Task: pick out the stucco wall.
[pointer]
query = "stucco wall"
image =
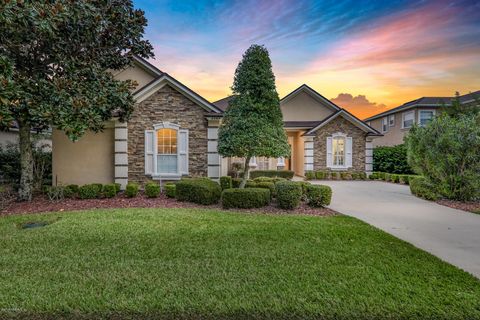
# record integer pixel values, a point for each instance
(303, 107)
(167, 104)
(88, 160)
(134, 73)
(339, 124)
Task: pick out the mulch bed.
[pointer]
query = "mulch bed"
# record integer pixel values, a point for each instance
(43, 204)
(472, 206)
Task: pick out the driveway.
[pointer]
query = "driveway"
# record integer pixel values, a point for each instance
(450, 234)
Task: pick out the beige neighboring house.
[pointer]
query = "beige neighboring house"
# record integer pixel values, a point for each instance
(10, 137)
(394, 124)
(173, 132)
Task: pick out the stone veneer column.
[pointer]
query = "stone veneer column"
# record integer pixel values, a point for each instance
(214, 160)
(308, 153)
(121, 154)
(368, 156)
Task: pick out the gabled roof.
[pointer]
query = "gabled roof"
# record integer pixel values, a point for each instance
(314, 94)
(300, 124)
(147, 66)
(222, 104)
(427, 102)
(348, 116)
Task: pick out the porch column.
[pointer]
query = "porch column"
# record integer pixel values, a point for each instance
(213, 161)
(368, 156)
(121, 154)
(308, 154)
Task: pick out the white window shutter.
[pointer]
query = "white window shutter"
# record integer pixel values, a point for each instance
(183, 151)
(149, 151)
(348, 152)
(329, 152)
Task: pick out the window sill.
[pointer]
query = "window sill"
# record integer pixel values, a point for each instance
(166, 176)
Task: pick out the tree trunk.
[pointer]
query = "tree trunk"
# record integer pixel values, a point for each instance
(26, 162)
(245, 173)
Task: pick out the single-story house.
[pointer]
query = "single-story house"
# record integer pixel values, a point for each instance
(173, 132)
(395, 123)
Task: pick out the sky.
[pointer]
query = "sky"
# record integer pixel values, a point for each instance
(366, 56)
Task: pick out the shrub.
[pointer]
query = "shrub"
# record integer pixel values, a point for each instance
(391, 159)
(344, 175)
(362, 175)
(236, 182)
(355, 176)
(170, 190)
(132, 190)
(264, 179)
(55, 193)
(373, 176)
(226, 182)
(250, 184)
(395, 178)
(304, 185)
(422, 188)
(318, 195)
(387, 177)
(335, 175)
(246, 198)
(268, 185)
(70, 191)
(289, 194)
(287, 174)
(90, 191)
(152, 190)
(109, 190)
(277, 179)
(310, 175)
(118, 187)
(381, 175)
(99, 186)
(320, 175)
(198, 190)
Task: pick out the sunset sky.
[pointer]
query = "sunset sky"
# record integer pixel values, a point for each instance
(367, 56)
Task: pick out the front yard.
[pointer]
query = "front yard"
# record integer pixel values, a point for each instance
(194, 263)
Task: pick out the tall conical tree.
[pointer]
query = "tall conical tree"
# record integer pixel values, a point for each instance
(253, 123)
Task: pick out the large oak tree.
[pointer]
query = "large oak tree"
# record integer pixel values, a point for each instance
(55, 58)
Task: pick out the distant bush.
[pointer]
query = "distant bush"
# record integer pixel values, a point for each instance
(319, 195)
(310, 175)
(226, 182)
(320, 175)
(420, 187)
(118, 187)
(109, 190)
(152, 190)
(90, 191)
(245, 198)
(198, 190)
(132, 190)
(289, 194)
(170, 190)
(71, 191)
(287, 174)
(395, 178)
(391, 160)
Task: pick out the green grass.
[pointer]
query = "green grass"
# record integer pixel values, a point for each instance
(186, 263)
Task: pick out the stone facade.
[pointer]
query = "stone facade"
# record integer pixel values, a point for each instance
(167, 104)
(339, 124)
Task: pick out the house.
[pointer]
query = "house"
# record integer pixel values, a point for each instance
(395, 123)
(173, 132)
(10, 137)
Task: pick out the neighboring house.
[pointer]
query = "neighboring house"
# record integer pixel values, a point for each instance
(173, 132)
(10, 137)
(394, 124)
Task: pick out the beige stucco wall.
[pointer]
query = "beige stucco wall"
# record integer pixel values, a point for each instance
(303, 107)
(296, 142)
(134, 73)
(88, 160)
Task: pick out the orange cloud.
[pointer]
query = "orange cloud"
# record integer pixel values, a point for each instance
(358, 105)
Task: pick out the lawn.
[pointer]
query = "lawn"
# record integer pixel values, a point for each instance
(193, 263)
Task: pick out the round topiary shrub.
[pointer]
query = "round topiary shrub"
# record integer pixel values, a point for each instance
(132, 190)
(226, 182)
(109, 190)
(314, 196)
(289, 194)
(170, 190)
(90, 191)
(310, 175)
(70, 191)
(152, 190)
(245, 198)
(118, 187)
(198, 190)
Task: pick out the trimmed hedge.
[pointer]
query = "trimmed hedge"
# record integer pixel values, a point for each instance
(226, 182)
(289, 194)
(90, 191)
(132, 190)
(310, 175)
(198, 190)
(236, 182)
(109, 190)
(70, 191)
(319, 195)
(152, 190)
(245, 198)
(170, 190)
(420, 187)
(268, 185)
(118, 187)
(287, 174)
(264, 179)
(391, 159)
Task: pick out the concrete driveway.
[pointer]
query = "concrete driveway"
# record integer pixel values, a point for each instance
(450, 234)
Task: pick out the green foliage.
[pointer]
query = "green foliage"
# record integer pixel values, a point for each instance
(198, 190)
(118, 187)
(264, 179)
(344, 175)
(286, 174)
(277, 179)
(304, 185)
(90, 191)
(70, 191)
(318, 195)
(362, 175)
(387, 177)
(458, 110)
(420, 187)
(132, 190)
(246, 198)
(226, 182)
(395, 178)
(268, 185)
(236, 182)
(289, 194)
(152, 190)
(310, 175)
(391, 159)
(250, 184)
(109, 190)
(170, 190)
(55, 193)
(447, 153)
(320, 175)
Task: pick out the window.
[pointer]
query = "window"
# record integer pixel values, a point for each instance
(338, 146)
(167, 151)
(385, 124)
(263, 163)
(425, 116)
(408, 119)
(391, 120)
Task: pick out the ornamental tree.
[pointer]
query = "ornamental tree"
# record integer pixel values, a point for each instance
(55, 58)
(253, 123)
